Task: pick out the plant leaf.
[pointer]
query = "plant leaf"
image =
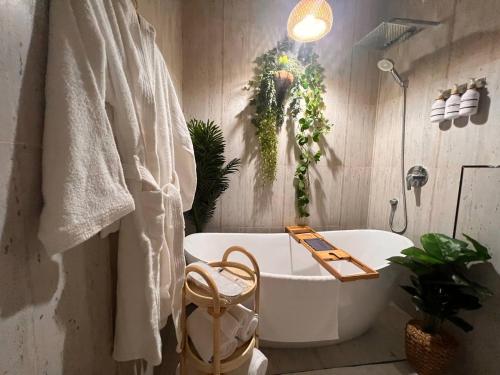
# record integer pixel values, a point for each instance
(481, 250)
(421, 256)
(459, 322)
(416, 267)
(212, 174)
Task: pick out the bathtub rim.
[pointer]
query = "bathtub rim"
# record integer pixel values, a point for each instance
(269, 275)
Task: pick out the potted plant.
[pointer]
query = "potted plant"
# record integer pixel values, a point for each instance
(289, 84)
(211, 169)
(439, 289)
(283, 76)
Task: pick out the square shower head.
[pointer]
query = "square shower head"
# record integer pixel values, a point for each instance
(394, 31)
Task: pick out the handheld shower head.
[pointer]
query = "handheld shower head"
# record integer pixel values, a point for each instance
(387, 65)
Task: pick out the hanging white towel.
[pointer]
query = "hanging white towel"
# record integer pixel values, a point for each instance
(248, 320)
(116, 147)
(200, 330)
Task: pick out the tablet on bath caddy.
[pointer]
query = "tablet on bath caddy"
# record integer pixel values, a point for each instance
(319, 244)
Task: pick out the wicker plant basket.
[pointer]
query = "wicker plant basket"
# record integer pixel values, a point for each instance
(429, 354)
(283, 79)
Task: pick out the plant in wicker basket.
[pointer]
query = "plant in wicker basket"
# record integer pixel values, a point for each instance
(439, 289)
(289, 83)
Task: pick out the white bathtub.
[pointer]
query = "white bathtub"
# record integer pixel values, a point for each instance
(298, 297)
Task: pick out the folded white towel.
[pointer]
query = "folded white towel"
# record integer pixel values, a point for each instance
(227, 287)
(248, 321)
(257, 365)
(200, 330)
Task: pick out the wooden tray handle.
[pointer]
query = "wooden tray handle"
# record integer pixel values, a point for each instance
(242, 250)
(256, 269)
(211, 283)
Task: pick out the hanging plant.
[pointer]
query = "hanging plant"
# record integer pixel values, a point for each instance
(283, 76)
(307, 105)
(275, 73)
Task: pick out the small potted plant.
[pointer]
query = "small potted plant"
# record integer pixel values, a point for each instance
(440, 290)
(283, 76)
(212, 171)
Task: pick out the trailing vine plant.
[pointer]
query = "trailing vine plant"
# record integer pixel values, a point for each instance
(283, 76)
(269, 97)
(308, 106)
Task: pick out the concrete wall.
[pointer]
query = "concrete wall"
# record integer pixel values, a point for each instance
(56, 315)
(221, 40)
(464, 46)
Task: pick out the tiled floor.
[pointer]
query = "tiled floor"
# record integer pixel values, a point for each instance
(384, 342)
(397, 368)
(368, 354)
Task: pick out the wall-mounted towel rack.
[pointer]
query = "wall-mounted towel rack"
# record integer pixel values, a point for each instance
(325, 253)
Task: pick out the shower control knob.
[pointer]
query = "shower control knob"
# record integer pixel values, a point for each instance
(416, 177)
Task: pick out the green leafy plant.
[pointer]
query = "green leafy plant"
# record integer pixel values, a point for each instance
(211, 169)
(282, 75)
(269, 102)
(308, 105)
(439, 286)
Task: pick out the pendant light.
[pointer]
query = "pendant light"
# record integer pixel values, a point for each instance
(310, 20)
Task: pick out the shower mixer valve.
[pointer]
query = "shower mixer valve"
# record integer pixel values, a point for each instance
(416, 177)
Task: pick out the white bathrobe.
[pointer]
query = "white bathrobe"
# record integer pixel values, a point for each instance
(117, 156)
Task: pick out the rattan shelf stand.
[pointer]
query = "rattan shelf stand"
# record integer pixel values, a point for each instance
(217, 306)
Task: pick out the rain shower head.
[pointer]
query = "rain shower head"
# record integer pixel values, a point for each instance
(387, 65)
(394, 31)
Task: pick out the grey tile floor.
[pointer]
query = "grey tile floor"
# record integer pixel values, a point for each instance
(368, 354)
(397, 368)
(384, 342)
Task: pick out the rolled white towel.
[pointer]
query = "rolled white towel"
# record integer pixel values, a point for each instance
(257, 365)
(200, 330)
(248, 320)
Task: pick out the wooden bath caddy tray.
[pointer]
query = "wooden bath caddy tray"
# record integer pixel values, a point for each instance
(325, 253)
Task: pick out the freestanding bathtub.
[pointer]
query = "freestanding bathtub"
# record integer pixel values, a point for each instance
(301, 303)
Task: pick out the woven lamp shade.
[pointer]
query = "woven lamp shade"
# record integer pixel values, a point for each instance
(310, 20)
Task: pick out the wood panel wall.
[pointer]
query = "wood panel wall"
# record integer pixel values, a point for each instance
(221, 39)
(464, 46)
